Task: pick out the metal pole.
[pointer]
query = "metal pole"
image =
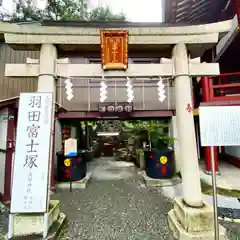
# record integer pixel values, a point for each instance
(10, 226)
(70, 186)
(214, 188)
(45, 224)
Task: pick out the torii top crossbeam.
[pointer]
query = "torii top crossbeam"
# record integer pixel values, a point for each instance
(70, 33)
(26, 36)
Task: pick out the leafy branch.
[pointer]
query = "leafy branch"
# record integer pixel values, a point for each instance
(152, 130)
(64, 10)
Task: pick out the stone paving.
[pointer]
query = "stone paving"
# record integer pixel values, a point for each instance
(228, 179)
(117, 207)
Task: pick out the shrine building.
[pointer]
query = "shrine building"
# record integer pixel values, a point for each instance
(52, 55)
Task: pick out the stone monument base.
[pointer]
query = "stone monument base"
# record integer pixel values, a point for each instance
(188, 223)
(81, 184)
(31, 226)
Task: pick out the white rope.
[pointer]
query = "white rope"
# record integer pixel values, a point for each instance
(130, 93)
(103, 90)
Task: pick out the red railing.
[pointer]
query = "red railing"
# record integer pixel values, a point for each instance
(224, 87)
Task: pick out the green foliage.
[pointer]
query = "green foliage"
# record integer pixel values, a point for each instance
(152, 130)
(105, 14)
(141, 130)
(64, 10)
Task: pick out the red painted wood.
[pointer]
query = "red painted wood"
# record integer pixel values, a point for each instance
(226, 98)
(10, 148)
(227, 85)
(221, 103)
(229, 74)
(135, 114)
(205, 88)
(210, 89)
(235, 161)
(235, 90)
(207, 158)
(223, 86)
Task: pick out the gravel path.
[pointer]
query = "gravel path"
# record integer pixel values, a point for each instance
(3, 223)
(118, 208)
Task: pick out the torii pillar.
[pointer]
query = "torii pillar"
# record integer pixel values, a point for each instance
(47, 83)
(191, 218)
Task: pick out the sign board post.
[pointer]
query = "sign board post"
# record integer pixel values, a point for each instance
(219, 126)
(30, 179)
(214, 187)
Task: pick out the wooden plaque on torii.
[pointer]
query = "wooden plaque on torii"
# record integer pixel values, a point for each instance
(114, 49)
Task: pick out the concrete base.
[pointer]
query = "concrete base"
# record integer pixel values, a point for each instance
(35, 221)
(78, 184)
(193, 223)
(54, 233)
(151, 182)
(210, 172)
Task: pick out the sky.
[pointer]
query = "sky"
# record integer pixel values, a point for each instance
(135, 10)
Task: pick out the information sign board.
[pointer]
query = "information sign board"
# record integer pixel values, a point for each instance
(31, 164)
(219, 125)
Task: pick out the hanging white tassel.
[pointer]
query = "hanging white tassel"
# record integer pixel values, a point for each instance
(103, 90)
(129, 90)
(69, 90)
(161, 90)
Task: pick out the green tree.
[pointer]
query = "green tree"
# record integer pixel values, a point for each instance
(64, 10)
(151, 130)
(105, 14)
